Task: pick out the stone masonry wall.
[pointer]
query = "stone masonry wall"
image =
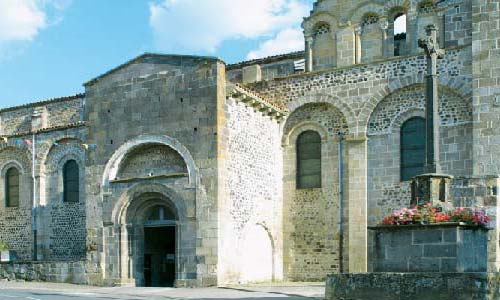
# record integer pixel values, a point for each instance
(252, 177)
(432, 248)
(357, 91)
(63, 223)
(486, 87)
(152, 159)
(413, 286)
(384, 179)
(75, 272)
(311, 216)
(155, 98)
(15, 222)
(53, 113)
(60, 226)
(365, 29)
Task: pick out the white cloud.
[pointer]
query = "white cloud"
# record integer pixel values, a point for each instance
(202, 25)
(288, 40)
(20, 20)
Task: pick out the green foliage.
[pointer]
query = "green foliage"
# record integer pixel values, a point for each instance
(4, 246)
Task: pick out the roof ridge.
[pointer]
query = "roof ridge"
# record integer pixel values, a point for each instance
(142, 56)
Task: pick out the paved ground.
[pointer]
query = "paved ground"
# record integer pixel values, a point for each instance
(51, 291)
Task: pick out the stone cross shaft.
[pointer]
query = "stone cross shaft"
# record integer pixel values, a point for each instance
(431, 47)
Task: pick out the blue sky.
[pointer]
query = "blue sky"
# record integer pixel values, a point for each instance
(49, 48)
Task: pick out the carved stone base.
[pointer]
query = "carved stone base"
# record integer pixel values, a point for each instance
(433, 188)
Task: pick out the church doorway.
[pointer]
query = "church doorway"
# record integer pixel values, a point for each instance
(160, 248)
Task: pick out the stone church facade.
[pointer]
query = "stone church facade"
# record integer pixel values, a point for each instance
(174, 169)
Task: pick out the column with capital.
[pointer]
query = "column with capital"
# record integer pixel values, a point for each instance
(384, 26)
(432, 186)
(433, 52)
(309, 53)
(357, 44)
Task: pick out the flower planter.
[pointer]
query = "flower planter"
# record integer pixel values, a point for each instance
(444, 247)
(8, 256)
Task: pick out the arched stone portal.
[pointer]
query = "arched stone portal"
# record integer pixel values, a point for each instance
(156, 237)
(152, 231)
(146, 175)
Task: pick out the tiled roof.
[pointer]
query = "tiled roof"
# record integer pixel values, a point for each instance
(43, 102)
(47, 129)
(267, 60)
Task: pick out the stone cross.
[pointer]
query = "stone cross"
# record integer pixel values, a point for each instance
(433, 52)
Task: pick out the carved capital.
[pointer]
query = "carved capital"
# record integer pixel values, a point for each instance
(429, 29)
(384, 25)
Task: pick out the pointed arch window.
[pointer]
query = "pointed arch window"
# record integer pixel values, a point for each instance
(412, 148)
(12, 187)
(71, 181)
(309, 160)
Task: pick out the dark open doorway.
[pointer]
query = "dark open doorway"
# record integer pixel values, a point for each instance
(159, 256)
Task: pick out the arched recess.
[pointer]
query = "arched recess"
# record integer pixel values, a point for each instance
(397, 31)
(119, 212)
(322, 28)
(48, 146)
(341, 106)
(386, 190)
(62, 223)
(257, 257)
(131, 226)
(453, 108)
(322, 17)
(114, 163)
(447, 83)
(302, 206)
(18, 234)
(355, 16)
(373, 35)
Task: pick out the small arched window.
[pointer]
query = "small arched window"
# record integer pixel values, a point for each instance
(309, 160)
(71, 181)
(412, 148)
(12, 188)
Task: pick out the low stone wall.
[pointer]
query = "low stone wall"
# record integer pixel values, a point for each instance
(413, 286)
(430, 248)
(61, 272)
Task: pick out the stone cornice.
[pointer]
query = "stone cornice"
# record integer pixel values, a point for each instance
(258, 103)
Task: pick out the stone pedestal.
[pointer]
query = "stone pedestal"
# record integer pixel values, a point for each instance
(430, 248)
(413, 286)
(433, 188)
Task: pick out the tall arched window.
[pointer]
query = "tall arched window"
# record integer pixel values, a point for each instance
(412, 148)
(400, 35)
(12, 188)
(71, 181)
(308, 160)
